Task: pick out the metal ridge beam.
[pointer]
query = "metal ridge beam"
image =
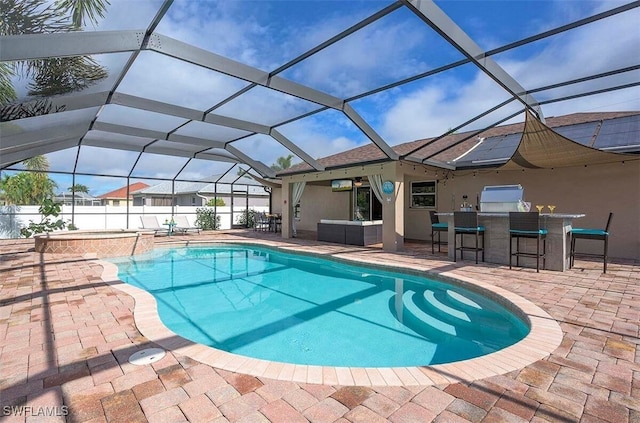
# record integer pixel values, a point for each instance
(81, 43)
(149, 133)
(433, 16)
(8, 159)
(197, 56)
(295, 149)
(260, 167)
(369, 132)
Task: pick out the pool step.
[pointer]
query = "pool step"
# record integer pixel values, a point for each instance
(413, 311)
(443, 310)
(456, 309)
(463, 302)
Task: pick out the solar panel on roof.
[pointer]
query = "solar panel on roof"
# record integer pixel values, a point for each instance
(491, 149)
(581, 133)
(618, 132)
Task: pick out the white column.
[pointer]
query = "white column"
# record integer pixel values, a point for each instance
(393, 212)
(287, 209)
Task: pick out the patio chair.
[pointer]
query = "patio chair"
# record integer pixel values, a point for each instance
(261, 222)
(183, 225)
(466, 223)
(594, 234)
(437, 227)
(276, 222)
(151, 223)
(527, 225)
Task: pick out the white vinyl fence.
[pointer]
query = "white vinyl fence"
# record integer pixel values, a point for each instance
(13, 218)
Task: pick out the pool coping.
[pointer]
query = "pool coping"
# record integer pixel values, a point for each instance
(544, 337)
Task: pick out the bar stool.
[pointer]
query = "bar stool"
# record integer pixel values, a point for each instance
(596, 234)
(437, 228)
(466, 223)
(527, 225)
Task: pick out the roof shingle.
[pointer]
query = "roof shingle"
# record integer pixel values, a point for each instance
(371, 153)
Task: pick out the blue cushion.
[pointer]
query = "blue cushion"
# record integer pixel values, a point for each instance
(472, 229)
(585, 231)
(541, 232)
(440, 225)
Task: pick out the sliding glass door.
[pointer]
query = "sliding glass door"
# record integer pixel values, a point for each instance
(366, 205)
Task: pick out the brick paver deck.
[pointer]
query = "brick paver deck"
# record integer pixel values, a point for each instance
(66, 335)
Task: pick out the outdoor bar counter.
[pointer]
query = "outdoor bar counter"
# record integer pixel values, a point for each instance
(496, 239)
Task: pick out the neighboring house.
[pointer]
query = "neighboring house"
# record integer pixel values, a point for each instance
(119, 197)
(81, 199)
(582, 163)
(246, 191)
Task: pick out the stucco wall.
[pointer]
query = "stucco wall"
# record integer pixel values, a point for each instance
(318, 202)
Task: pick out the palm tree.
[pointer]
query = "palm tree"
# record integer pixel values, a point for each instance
(79, 188)
(37, 163)
(282, 163)
(31, 187)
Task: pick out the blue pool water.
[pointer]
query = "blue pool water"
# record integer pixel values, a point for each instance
(266, 304)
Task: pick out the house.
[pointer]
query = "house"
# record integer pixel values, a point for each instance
(80, 199)
(231, 189)
(587, 163)
(118, 197)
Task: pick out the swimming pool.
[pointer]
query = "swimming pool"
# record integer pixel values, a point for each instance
(266, 304)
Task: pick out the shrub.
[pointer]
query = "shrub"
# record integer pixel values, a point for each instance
(248, 218)
(47, 209)
(207, 219)
(216, 202)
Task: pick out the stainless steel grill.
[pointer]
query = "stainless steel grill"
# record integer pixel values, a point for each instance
(501, 198)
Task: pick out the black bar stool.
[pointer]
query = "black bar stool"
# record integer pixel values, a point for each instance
(466, 223)
(595, 234)
(527, 225)
(437, 228)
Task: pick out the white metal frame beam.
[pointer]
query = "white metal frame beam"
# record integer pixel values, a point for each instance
(433, 16)
(148, 133)
(16, 156)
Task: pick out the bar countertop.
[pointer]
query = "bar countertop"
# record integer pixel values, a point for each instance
(506, 214)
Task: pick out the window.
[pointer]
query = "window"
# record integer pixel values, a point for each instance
(116, 202)
(423, 194)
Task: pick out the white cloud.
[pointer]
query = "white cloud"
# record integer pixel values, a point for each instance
(438, 106)
(359, 62)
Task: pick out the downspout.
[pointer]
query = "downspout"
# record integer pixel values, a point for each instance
(206, 200)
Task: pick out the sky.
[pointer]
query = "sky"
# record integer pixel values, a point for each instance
(268, 34)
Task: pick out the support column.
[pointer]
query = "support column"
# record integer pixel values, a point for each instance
(287, 209)
(393, 213)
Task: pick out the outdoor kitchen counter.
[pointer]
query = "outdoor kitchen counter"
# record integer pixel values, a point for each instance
(496, 239)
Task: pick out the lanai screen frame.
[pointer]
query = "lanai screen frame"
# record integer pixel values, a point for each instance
(135, 42)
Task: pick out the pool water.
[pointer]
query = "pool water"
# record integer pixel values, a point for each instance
(302, 309)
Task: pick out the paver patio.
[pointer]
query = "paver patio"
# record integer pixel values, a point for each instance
(66, 335)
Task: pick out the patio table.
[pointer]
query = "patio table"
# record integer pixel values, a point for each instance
(171, 225)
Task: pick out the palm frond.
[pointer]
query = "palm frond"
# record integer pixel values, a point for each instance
(13, 111)
(30, 17)
(63, 75)
(83, 10)
(7, 92)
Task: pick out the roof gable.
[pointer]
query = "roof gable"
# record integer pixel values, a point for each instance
(122, 192)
